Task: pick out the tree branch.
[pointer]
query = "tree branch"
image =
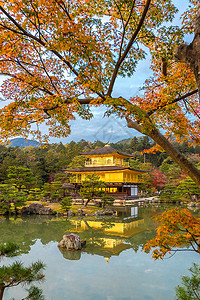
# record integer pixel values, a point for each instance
(125, 25)
(149, 113)
(122, 58)
(36, 39)
(39, 88)
(63, 8)
(44, 44)
(133, 124)
(44, 68)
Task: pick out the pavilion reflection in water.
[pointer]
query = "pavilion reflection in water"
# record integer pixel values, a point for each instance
(109, 237)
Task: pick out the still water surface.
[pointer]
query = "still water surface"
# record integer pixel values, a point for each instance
(113, 265)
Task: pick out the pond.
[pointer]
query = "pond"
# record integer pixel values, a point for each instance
(113, 265)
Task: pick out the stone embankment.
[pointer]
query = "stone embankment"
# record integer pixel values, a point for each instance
(118, 202)
(37, 209)
(40, 209)
(139, 201)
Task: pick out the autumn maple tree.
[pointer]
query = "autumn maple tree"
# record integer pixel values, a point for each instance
(177, 230)
(60, 57)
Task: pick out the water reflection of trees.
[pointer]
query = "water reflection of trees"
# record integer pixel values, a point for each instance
(25, 231)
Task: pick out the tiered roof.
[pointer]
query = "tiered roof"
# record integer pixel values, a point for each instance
(107, 149)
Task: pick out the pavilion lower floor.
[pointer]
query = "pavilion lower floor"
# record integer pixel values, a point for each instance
(116, 190)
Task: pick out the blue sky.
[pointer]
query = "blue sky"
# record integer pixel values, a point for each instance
(110, 129)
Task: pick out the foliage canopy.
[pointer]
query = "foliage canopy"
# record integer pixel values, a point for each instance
(60, 56)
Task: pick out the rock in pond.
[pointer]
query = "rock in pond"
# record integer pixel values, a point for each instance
(71, 242)
(59, 214)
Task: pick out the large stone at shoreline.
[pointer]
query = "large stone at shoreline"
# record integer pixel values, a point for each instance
(36, 205)
(36, 209)
(70, 242)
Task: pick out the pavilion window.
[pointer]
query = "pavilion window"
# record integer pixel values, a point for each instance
(109, 161)
(95, 162)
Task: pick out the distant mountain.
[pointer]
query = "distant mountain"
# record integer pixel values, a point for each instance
(22, 143)
(129, 140)
(125, 141)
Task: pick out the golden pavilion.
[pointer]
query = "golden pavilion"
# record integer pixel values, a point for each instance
(113, 168)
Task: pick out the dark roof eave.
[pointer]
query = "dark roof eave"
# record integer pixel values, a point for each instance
(103, 168)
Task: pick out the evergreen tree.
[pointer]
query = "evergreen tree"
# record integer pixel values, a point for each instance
(188, 189)
(66, 203)
(107, 200)
(20, 177)
(169, 193)
(77, 162)
(191, 285)
(10, 195)
(16, 274)
(92, 187)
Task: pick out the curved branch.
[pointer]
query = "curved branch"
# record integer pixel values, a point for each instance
(133, 124)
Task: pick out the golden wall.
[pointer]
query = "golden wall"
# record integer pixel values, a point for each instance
(110, 177)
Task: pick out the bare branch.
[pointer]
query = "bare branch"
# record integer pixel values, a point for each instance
(38, 20)
(194, 111)
(10, 29)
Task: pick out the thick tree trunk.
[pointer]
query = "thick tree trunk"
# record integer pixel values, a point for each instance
(1, 292)
(198, 247)
(182, 161)
(190, 54)
(166, 145)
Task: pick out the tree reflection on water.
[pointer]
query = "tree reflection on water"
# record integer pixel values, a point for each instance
(104, 237)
